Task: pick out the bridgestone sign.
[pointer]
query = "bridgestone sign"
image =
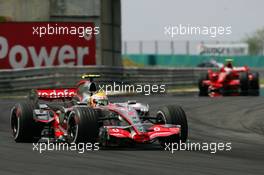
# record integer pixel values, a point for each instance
(236, 49)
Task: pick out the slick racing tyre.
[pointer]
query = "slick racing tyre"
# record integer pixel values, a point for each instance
(244, 83)
(83, 125)
(174, 115)
(254, 83)
(24, 128)
(203, 89)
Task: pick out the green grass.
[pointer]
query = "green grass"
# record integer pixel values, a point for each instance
(261, 81)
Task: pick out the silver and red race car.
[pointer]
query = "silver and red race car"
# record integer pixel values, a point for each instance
(64, 115)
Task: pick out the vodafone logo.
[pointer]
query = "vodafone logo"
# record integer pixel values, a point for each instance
(56, 93)
(19, 55)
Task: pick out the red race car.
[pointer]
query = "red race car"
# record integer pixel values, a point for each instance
(229, 81)
(84, 114)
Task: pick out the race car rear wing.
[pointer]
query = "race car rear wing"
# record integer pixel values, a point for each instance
(51, 94)
(90, 76)
(241, 69)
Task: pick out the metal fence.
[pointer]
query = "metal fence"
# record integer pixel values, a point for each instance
(166, 47)
(13, 81)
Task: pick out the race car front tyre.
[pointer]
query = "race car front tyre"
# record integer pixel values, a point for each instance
(24, 128)
(203, 89)
(83, 125)
(174, 115)
(244, 83)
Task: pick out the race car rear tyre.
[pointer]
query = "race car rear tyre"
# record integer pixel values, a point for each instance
(203, 89)
(83, 125)
(244, 83)
(254, 83)
(174, 115)
(24, 128)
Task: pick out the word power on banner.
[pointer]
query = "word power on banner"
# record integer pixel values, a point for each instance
(46, 44)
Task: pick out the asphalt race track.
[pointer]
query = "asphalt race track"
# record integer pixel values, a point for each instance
(238, 120)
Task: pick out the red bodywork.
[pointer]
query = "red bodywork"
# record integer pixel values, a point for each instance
(224, 79)
(157, 132)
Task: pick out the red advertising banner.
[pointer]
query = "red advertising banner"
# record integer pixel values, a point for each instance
(45, 44)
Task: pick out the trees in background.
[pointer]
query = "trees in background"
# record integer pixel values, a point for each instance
(256, 42)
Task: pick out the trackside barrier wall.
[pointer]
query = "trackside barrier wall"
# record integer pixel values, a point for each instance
(13, 81)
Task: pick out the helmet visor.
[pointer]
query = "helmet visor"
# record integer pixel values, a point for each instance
(101, 102)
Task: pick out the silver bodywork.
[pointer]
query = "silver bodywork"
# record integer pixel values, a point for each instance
(141, 108)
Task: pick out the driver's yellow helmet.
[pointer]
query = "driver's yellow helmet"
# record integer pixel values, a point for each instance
(99, 99)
